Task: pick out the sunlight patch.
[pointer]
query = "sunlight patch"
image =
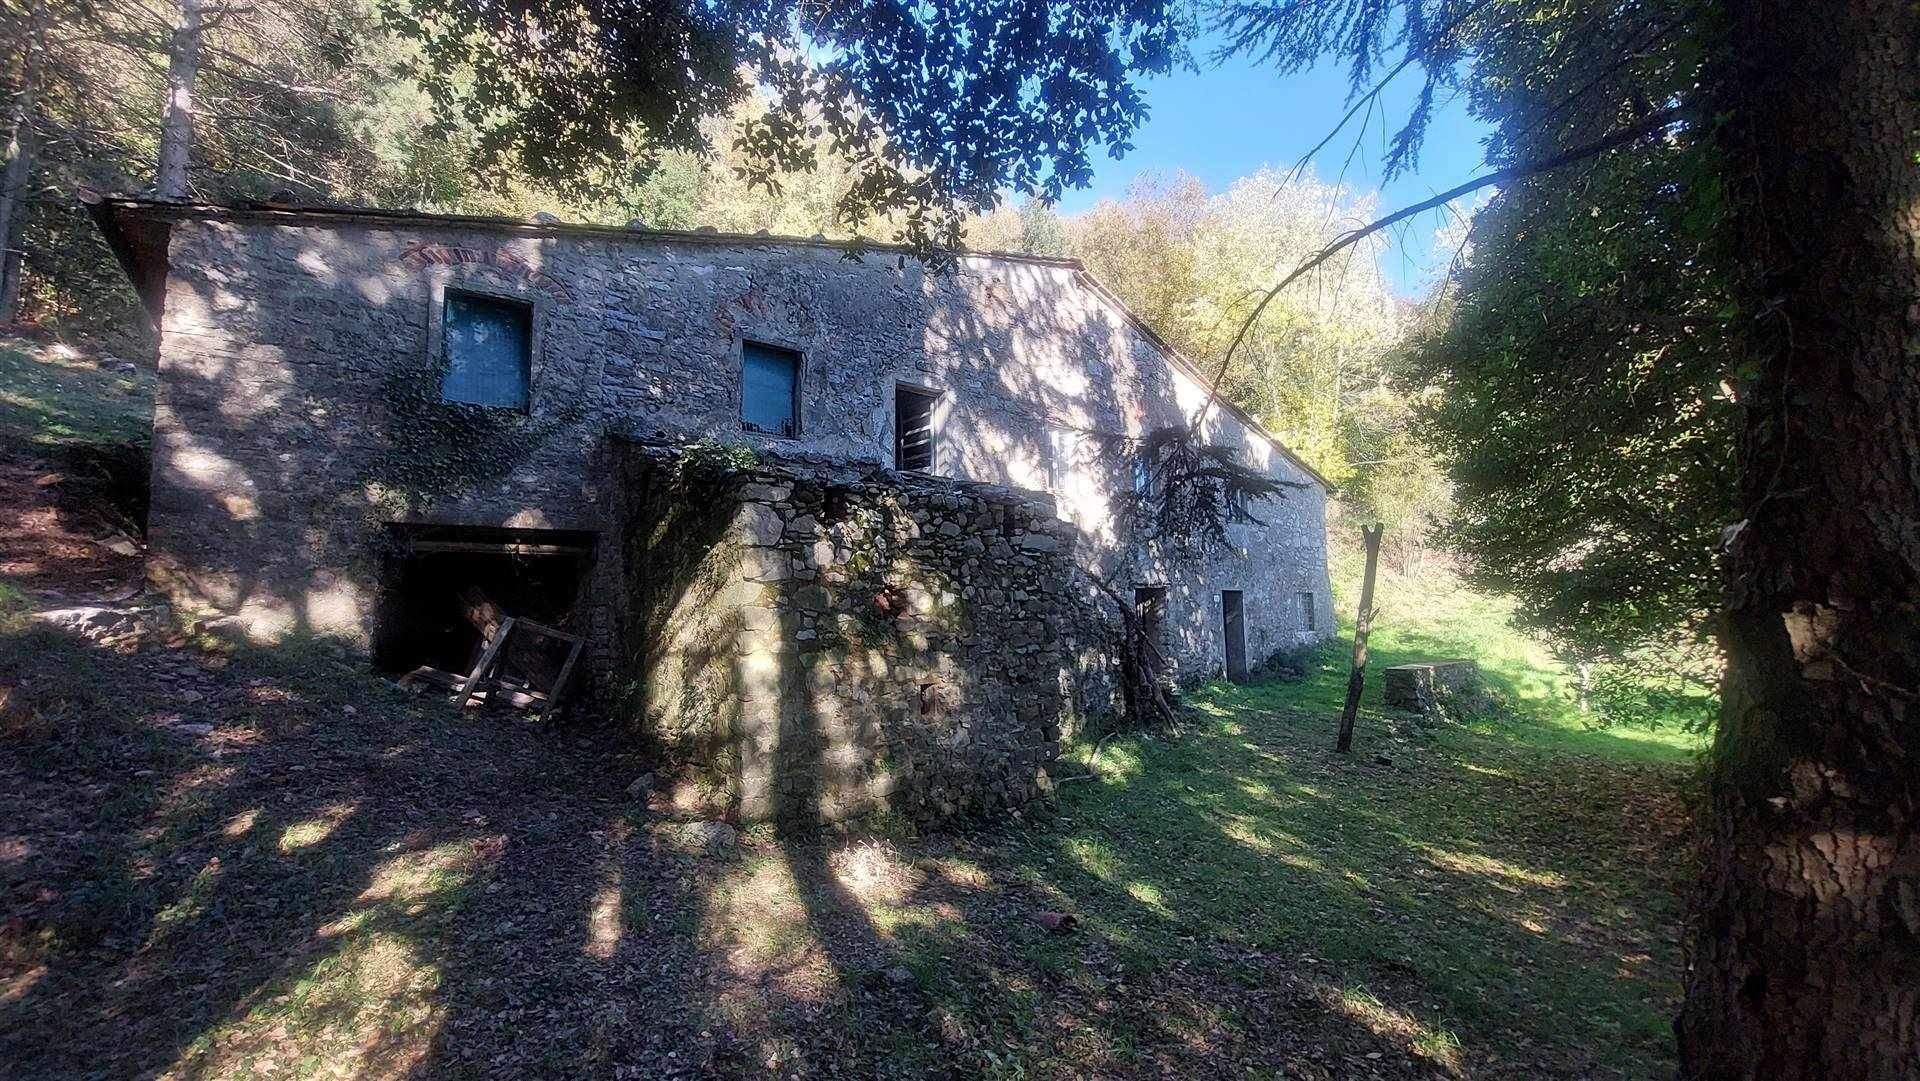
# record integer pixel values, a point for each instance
(603, 923)
(369, 1010)
(873, 872)
(316, 829)
(241, 824)
(1474, 863)
(1438, 1046)
(757, 919)
(1150, 895)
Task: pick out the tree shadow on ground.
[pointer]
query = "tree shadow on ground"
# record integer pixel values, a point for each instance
(259, 861)
(337, 874)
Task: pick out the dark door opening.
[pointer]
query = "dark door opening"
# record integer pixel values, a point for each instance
(1233, 621)
(445, 589)
(913, 428)
(1150, 608)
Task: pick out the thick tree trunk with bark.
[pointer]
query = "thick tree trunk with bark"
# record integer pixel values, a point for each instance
(176, 128)
(1362, 626)
(1805, 958)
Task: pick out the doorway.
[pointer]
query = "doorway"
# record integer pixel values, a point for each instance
(1150, 609)
(1233, 622)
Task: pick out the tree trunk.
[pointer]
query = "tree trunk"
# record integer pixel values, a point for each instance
(1805, 959)
(1362, 625)
(176, 129)
(19, 154)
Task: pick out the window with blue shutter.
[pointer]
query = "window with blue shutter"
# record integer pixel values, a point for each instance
(770, 389)
(1143, 474)
(489, 351)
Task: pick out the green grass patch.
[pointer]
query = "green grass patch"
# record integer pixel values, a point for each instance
(50, 399)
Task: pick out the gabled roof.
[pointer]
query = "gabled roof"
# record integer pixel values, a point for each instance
(137, 229)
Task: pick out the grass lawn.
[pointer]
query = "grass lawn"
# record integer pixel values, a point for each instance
(52, 396)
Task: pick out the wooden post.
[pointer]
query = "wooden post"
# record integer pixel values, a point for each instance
(1357, 682)
(485, 664)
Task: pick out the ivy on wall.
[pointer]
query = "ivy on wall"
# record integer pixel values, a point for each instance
(440, 450)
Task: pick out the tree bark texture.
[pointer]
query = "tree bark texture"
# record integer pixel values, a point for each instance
(1805, 949)
(1362, 626)
(21, 129)
(176, 127)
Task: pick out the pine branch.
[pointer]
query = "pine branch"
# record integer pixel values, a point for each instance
(1646, 126)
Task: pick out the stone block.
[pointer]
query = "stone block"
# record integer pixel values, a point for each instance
(1421, 685)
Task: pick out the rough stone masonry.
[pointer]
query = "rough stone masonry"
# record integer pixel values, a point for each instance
(823, 644)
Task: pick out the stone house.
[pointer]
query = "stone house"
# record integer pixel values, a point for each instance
(360, 413)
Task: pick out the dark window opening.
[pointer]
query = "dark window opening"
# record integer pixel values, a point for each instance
(488, 344)
(1233, 625)
(770, 389)
(913, 444)
(1308, 613)
(446, 589)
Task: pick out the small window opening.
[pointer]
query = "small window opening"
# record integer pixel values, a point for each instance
(1308, 612)
(488, 344)
(770, 389)
(1143, 474)
(913, 444)
(836, 505)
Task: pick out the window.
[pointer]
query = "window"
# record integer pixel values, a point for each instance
(489, 351)
(1308, 613)
(770, 389)
(1143, 474)
(913, 428)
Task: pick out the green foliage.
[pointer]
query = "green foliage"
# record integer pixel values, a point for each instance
(1573, 375)
(1027, 89)
(1318, 369)
(708, 460)
(1576, 375)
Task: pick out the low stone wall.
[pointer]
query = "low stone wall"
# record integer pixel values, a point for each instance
(1430, 684)
(821, 643)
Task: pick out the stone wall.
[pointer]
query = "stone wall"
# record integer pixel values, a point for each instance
(290, 425)
(821, 643)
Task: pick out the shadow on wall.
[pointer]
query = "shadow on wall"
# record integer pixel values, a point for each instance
(822, 644)
(298, 413)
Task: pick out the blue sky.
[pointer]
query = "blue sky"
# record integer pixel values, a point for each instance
(1226, 122)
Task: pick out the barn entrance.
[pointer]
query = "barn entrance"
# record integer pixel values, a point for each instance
(447, 592)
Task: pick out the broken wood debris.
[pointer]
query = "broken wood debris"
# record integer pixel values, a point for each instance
(485, 683)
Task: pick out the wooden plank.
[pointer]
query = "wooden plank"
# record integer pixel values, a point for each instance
(566, 673)
(427, 674)
(550, 632)
(487, 658)
(485, 548)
